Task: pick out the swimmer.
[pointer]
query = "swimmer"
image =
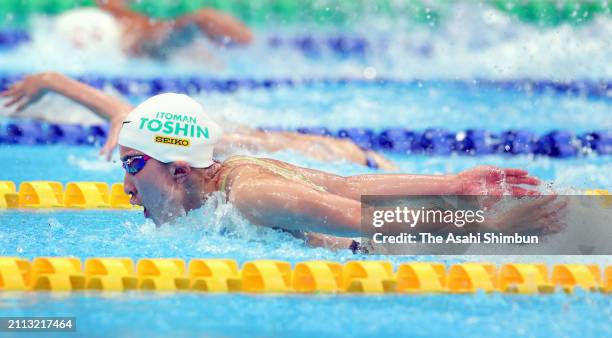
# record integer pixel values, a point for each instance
(324, 148)
(113, 23)
(169, 180)
(171, 170)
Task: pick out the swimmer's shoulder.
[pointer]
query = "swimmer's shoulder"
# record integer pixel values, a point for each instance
(238, 169)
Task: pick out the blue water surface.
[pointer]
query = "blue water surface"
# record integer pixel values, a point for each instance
(194, 315)
(503, 50)
(221, 232)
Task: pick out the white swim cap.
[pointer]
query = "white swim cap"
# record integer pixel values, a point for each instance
(89, 29)
(172, 127)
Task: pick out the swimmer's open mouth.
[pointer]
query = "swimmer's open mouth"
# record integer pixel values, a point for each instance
(145, 212)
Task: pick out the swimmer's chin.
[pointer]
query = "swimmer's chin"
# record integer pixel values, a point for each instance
(163, 218)
(147, 215)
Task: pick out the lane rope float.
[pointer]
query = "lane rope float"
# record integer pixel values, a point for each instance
(61, 274)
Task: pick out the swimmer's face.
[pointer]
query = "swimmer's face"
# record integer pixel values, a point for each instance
(155, 188)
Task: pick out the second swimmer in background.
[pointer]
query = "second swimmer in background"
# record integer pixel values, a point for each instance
(113, 25)
(323, 148)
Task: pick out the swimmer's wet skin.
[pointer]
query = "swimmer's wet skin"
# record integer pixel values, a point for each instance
(169, 181)
(324, 148)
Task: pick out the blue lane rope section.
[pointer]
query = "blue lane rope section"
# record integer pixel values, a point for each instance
(28, 132)
(340, 44)
(13, 38)
(433, 142)
(133, 86)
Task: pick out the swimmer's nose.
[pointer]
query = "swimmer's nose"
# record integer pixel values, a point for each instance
(128, 186)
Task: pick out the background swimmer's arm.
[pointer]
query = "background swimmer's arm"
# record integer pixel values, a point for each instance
(121, 11)
(138, 30)
(34, 87)
(217, 25)
(292, 206)
(113, 6)
(104, 105)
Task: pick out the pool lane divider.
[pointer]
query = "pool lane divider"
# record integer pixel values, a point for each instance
(76, 195)
(66, 274)
(97, 195)
(345, 45)
(431, 142)
(144, 87)
(31, 132)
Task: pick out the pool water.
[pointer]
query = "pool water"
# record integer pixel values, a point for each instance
(435, 96)
(222, 233)
(474, 40)
(189, 315)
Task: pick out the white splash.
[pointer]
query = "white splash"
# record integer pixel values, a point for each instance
(92, 163)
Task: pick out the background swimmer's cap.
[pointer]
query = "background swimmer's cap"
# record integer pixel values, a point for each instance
(172, 127)
(89, 29)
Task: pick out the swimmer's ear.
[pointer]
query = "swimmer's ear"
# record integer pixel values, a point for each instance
(180, 171)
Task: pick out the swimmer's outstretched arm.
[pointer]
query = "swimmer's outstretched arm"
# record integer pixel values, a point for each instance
(34, 87)
(295, 207)
(483, 180)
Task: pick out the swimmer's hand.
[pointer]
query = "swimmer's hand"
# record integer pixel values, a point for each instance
(490, 183)
(27, 91)
(493, 181)
(544, 214)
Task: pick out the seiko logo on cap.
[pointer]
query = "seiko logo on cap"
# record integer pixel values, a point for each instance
(172, 141)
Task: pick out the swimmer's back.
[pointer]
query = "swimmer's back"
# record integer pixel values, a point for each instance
(232, 166)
